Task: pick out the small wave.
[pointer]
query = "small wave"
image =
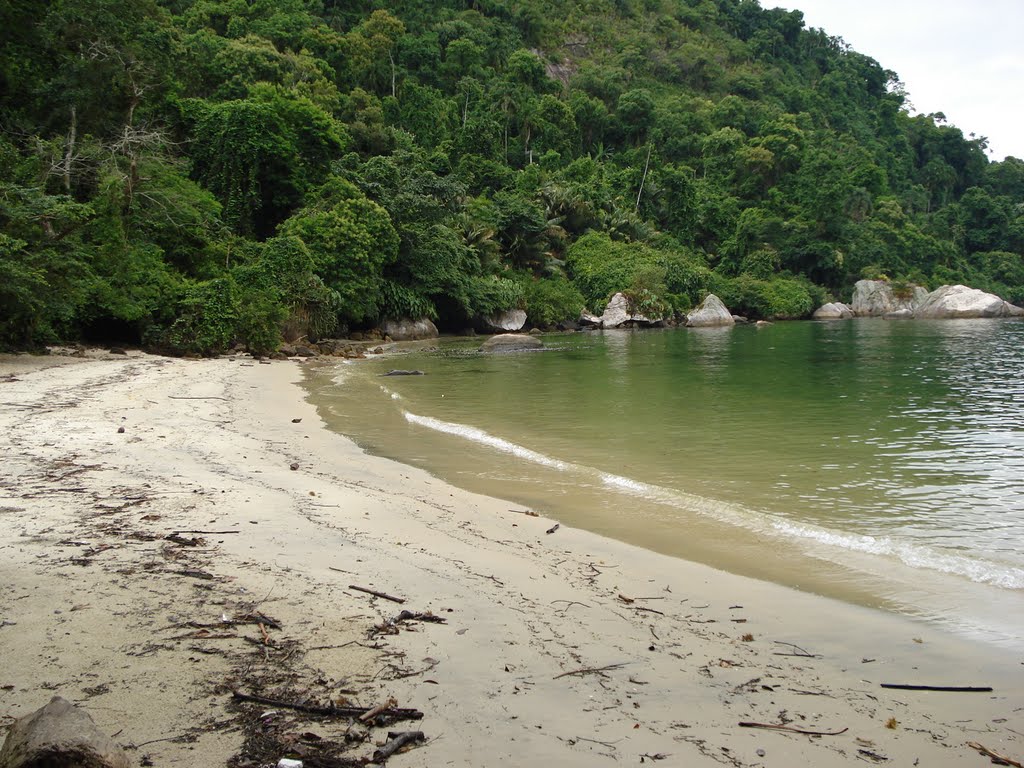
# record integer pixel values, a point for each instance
(389, 393)
(485, 438)
(913, 555)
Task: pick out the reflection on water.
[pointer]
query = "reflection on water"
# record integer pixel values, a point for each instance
(875, 460)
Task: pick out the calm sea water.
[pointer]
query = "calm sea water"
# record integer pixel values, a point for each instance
(876, 461)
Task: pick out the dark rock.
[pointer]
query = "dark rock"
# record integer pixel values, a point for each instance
(304, 351)
(120, 430)
(60, 735)
(400, 372)
(118, 351)
(294, 466)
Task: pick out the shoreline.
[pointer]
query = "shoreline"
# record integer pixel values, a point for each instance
(569, 647)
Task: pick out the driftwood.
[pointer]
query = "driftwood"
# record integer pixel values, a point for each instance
(394, 713)
(372, 713)
(996, 757)
(590, 670)
(773, 727)
(395, 742)
(375, 593)
(947, 688)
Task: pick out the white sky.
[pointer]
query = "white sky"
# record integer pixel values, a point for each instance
(964, 58)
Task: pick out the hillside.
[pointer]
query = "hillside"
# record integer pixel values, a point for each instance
(188, 175)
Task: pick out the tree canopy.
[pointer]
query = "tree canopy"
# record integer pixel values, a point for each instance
(189, 174)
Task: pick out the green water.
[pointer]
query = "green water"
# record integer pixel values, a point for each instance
(876, 461)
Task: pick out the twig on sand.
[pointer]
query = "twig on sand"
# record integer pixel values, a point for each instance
(773, 727)
(946, 688)
(590, 670)
(568, 604)
(395, 713)
(996, 757)
(798, 651)
(372, 713)
(375, 593)
(182, 397)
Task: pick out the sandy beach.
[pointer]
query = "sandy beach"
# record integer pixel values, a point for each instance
(172, 531)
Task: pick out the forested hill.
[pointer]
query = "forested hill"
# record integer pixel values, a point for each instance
(193, 174)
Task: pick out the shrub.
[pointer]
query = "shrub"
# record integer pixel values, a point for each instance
(552, 300)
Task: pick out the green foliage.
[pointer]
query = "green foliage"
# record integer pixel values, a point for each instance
(301, 164)
(551, 300)
(350, 240)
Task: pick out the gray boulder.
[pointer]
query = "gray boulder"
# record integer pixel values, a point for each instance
(711, 312)
(405, 329)
(618, 313)
(505, 322)
(62, 736)
(959, 301)
(588, 320)
(833, 311)
(875, 298)
(511, 342)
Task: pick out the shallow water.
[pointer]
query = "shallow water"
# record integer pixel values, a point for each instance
(875, 461)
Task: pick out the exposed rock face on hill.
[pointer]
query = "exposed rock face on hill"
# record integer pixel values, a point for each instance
(959, 301)
(405, 329)
(875, 298)
(711, 312)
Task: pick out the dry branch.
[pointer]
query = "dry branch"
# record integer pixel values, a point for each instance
(375, 593)
(996, 757)
(773, 727)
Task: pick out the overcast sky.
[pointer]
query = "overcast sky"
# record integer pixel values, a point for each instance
(964, 59)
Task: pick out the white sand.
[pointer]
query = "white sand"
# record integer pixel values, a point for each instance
(107, 628)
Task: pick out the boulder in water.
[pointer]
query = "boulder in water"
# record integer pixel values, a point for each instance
(959, 301)
(876, 298)
(511, 342)
(833, 311)
(711, 312)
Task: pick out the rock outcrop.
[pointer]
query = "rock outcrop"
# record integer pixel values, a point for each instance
(875, 298)
(711, 312)
(405, 329)
(60, 734)
(833, 311)
(504, 322)
(511, 342)
(617, 313)
(959, 301)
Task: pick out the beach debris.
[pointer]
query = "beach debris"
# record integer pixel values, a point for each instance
(892, 723)
(181, 541)
(946, 688)
(553, 528)
(626, 600)
(286, 762)
(195, 574)
(294, 465)
(120, 430)
(182, 397)
(747, 638)
(375, 593)
(872, 755)
(390, 627)
(591, 670)
(368, 716)
(527, 512)
(775, 727)
(391, 713)
(296, 421)
(396, 742)
(60, 734)
(797, 651)
(996, 757)
(654, 757)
